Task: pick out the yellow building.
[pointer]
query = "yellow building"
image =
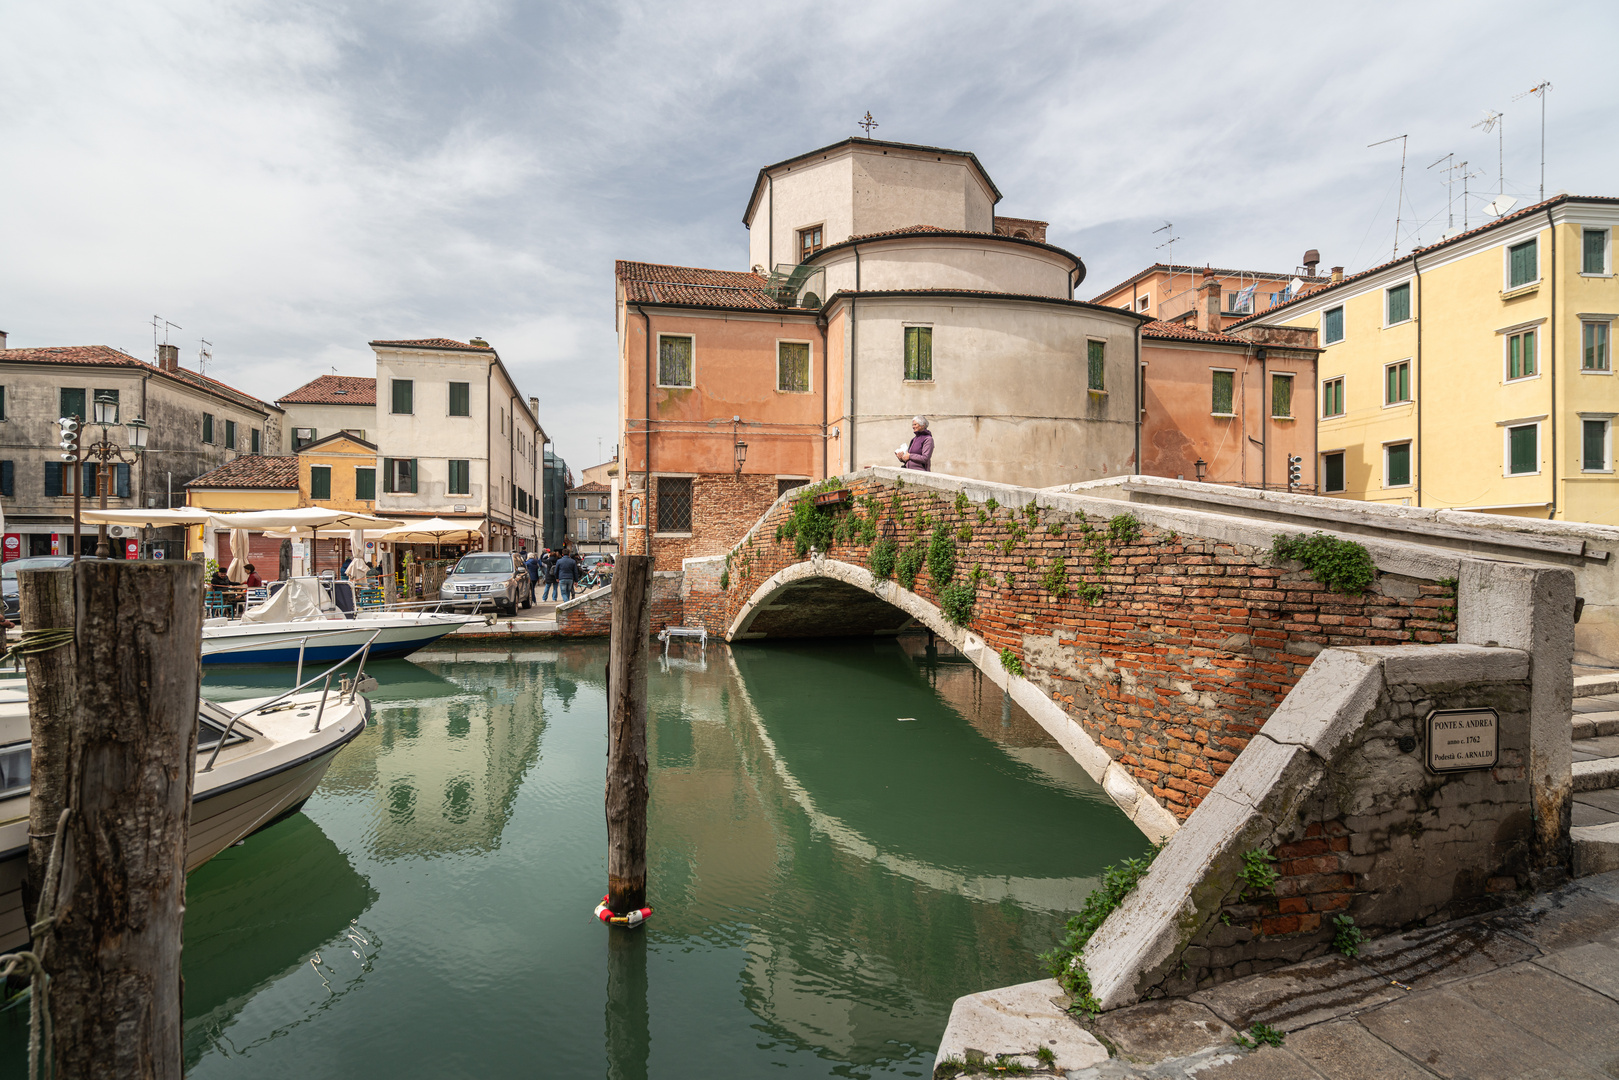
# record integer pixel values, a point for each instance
(338, 472)
(1489, 352)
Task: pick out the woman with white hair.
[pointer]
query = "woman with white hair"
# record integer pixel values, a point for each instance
(919, 455)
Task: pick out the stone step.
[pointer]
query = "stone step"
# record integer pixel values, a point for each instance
(1593, 725)
(1596, 685)
(1596, 848)
(1598, 774)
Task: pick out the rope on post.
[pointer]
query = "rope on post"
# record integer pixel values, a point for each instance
(34, 642)
(31, 964)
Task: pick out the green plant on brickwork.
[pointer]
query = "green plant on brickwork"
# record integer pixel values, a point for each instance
(1031, 511)
(1063, 962)
(1449, 585)
(1056, 578)
(1341, 565)
(868, 530)
(1090, 592)
(1172, 537)
(1011, 579)
(899, 481)
(941, 558)
(1256, 873)
(956, 600)
(1123, 529)
(896, 506)
(924, 522)
(1346, 936)
(1260, 1035)
(1054, 529)
(881, 559)
(991, 505)
(908, 563)
(1011, 663)
(1031, 564)
(964, 535)
(983, 516)
(725, 579)
(976, 576)
(961, 502)
(809, 526)
(1101, 557)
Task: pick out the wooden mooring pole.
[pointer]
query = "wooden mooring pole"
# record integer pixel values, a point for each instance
(626, 734)
(45, 604)
(128, 751)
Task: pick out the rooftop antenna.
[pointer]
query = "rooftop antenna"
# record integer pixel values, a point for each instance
(1493, 120)
(160, 321)
(1450, 184)
(1467, 174)
(1400, 203)
(1170, 243)
(204, 354)
(868, 123)
(1541, 90)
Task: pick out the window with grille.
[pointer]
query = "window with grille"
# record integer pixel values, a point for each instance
(793, 367)
(460, 399)
(1398, 304)
(1332, 397)
(674, 360)
(1281, 397)
(1523, 263)
(1096, 365)
(783, 486)
(1594, 340)
(1397, 383)
(1332, 471)
(1594, 445)
(918, 353)
(809, 242)
(1397, 465)
(1224, 384)
(1521, 355)
(1595, 252)
(1332, 325)
(1523, 449)
(320, 482)
(674, 504)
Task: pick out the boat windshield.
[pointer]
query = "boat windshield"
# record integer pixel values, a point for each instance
(484, 564)
(14, 768)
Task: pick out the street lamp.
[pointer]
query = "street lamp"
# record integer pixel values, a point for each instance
(104, 451)
(1202, 467)
(740, 448)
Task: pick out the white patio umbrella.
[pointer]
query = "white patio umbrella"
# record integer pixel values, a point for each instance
(238, 555)
(151, 519)
(304, 520)
(435, 530)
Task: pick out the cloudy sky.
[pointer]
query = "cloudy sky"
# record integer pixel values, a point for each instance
(290, 180)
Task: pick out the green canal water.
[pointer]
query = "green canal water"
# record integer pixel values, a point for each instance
(844, 837)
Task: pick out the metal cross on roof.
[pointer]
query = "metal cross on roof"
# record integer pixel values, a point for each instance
(868, 123)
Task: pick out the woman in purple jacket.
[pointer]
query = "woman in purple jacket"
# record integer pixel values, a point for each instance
(919, 455)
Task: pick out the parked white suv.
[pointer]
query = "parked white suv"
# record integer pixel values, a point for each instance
(488, 579)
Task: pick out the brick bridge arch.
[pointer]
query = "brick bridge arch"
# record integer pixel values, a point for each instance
(1152, 652)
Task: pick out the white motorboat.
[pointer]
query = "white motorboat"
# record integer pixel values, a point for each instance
(257, 762)
(301, 623)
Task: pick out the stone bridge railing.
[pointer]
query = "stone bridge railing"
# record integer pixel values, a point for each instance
(1152, 642)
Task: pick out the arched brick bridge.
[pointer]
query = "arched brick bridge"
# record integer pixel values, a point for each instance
(1151, 641)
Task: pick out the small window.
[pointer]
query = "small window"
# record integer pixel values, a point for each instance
(1332, 471)
(399, 475)
(1523, 263)
(1143, 302)
(674, 360)
(320, 481)
(404, 397)
(1523, 449)
(579, 504)
(1281, 397)
(603, 502)
(460, 399)
(302, 437)
(1332, 325)
(1595, 446)
(1096, 365)
(1398, 306)
(1332, 397)
(1224, 383)
(230, 434)
(1397, 465)
(365, 483)
(918, 353)
(2, 403)
(207, 427)
(460, 477)
(1397, 383)
(1240, 303)
(783, 486)
(674, 504)
(253, 441)
(1594, 340)
(1521, 355)
(1595, 252)
(793, 367)
(809, 242)
(72, 400)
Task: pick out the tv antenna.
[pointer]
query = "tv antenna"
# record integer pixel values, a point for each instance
(1541, 90)
(159, 322)
(1491, 122)
(1450, 183)
(1400, 202)
(1170, 243)
(205, 353)
(868, 123)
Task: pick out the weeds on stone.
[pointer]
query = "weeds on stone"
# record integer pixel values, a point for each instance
(1124, 529)
(1063, 962)
(991, 505)
(1003, 1064)
(725, 579)
(908, 564)
(882, 558)
(1046, 1056)
(1256, 871)
(1346, 936)
(1089, 592)
(1056, 578)
(941, 557)
(1260, 1035)
(961, 502)
(956, 600)
(1010, 663)
(983, 516)
(1343, 566)
(964, 534)
(1011, 579)
(1054, 529)
(1032, 512)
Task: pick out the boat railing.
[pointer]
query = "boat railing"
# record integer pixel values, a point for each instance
(363, 652)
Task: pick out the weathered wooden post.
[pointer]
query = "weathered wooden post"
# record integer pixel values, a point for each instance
(45, 610)
(114, 951)
(626, 735)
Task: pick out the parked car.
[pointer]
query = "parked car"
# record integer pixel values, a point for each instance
(8, 576)
(494, 578)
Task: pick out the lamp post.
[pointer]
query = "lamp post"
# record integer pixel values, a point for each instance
(739, 448)
(104, 452)
(71, 432)
(1201, 466)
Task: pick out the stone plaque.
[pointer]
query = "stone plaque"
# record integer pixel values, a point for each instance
(1462, 739)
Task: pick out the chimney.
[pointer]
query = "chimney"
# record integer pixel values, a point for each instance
(534, 407)
(1312, 258)
(2, 340)
(1337, 274)
(168, 357)
(1209, 309)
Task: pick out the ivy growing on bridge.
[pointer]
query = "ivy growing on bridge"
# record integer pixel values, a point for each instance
(941, 557)
(1341, 565)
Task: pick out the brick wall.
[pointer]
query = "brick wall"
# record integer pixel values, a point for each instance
(1184, 654)
(592, 615)
(724, 507)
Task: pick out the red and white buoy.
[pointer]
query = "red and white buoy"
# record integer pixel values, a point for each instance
(634, 918)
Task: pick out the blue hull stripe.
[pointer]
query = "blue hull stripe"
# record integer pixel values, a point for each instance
(320, 654)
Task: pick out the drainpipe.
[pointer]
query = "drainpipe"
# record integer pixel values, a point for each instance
(770, 229)
(1264, 424)
(820, 323)
(511, 458)
(488, 460)
(1137, 395)
(646, 447)
(854, 355)
(1551, 226)
(1416, 377)
(141, 495)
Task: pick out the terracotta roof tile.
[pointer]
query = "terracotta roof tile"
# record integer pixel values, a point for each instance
(334, 390)
(592, 487)
(106, 356)
(1175, 331)
(1176, 268)
(655, 283)
(434, 343)
(253, 471)
(906, 229)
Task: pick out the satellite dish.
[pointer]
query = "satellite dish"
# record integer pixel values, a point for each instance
(1295, 285)
(1501, 205)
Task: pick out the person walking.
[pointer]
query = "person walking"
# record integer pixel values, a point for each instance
(567, 572)
(919, 455)
(548, 568)
(532, 565)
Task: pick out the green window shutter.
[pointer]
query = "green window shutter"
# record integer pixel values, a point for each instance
(1524, 449)
(1529, 352)
(919, 353)
(255, 444)
(207, 427)
(73, 402)
(2, 403)
(1332, 326)
(460, 476)
(1399, 304)
(1524, 264)
(1281, 396)
(404, 396)
(92, 476)
(1223, 384)
(674, 361)
(1399, 465)
(53, 479)
(387, 474)
(1096, 365)
(792, 366)
(460, 399)
(122, 481)
(320, 481)
(8, 478)
(365, 483)
(1595, 245)
(413, 476)
(1595, 446)
(1333, 480)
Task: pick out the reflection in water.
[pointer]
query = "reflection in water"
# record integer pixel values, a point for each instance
(629, 1038)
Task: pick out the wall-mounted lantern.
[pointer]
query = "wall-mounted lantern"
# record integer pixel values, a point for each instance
(1202, 468)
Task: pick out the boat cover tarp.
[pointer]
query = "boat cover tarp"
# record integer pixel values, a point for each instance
(296, 601)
